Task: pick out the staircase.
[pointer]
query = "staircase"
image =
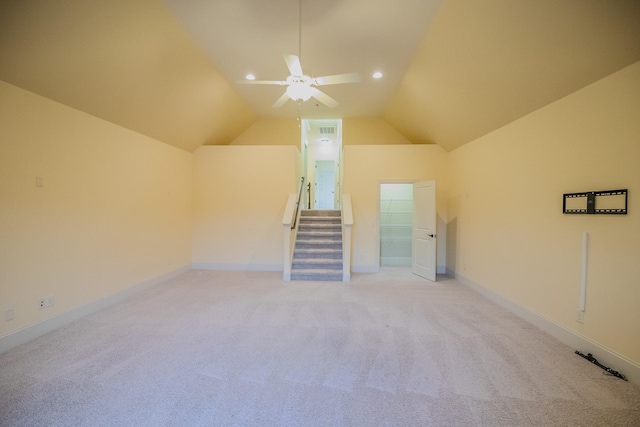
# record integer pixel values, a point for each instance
(317, 254)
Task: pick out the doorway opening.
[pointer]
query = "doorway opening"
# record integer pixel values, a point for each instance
(396, 224)
(322, 159)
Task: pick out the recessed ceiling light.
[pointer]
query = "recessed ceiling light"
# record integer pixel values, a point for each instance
(250, 77)
(377, 75)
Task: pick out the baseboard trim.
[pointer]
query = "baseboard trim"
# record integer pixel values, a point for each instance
(236, 267)
(365, 269)
(376, 269)
(31, 332)
(571, 338)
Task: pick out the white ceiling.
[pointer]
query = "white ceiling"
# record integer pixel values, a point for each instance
(337, 36)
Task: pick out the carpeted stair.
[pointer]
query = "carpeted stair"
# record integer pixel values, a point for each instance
(317, 254)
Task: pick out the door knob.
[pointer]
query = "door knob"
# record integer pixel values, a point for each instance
(431, 235)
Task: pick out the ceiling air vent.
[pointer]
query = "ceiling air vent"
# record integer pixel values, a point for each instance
(327, 130)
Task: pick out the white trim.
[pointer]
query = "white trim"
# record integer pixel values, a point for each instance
(365, 268)
(606, 356)
(236, 267)
(347, 223)
(31, 332)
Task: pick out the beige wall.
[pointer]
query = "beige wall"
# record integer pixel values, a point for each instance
(240, 195)
(370, 131)
(114, 209)
(365, 167)
(118, 208)
(506, 229)
(271, 132)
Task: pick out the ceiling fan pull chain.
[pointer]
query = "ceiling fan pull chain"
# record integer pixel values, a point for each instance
(300, 30)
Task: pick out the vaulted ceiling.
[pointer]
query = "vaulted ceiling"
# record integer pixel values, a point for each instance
(454, 70)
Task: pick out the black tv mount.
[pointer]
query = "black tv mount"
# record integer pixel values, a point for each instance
(591, 206)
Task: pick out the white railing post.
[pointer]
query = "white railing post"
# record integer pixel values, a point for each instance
(287, 220)
(347, 222)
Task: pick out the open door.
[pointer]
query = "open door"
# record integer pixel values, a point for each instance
(424, 230)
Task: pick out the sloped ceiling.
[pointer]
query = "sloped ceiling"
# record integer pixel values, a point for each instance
(455, 70)
(125, 61)
(486, 63)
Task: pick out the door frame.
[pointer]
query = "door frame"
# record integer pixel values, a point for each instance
(386, 181)
(308, 149)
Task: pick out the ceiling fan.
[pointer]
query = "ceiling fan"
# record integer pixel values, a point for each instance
(301, 87)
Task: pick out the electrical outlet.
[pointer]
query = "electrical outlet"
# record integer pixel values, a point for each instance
(580, 316)
(41, 304)
(8, 314)
(48, 301)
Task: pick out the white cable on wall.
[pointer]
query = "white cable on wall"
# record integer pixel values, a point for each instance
(583, 271)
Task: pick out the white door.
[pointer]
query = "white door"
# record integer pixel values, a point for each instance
(325, 184)
(424, 230)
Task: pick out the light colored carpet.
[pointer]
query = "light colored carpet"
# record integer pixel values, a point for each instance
(245, 348)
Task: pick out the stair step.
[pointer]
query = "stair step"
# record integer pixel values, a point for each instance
(317, 263)
(319, 244)
(318, 249)
(307, 253)
(317, 274)
(329, 219)
(325, 229)
(319, 226)
(319, 235)
(320, 212)
(318, 231)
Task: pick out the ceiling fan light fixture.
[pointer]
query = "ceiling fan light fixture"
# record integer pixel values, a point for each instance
(299, 91)
(250, 77)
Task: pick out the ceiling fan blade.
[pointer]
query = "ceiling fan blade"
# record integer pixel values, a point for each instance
(337, 79)
(324, 98)
(293, 64)
(280, 102)
(261, 82)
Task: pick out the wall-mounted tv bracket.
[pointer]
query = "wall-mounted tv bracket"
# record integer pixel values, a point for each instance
(588, 202)
(593, 360)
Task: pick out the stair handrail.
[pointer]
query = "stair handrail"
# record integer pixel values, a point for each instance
(295, 214)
